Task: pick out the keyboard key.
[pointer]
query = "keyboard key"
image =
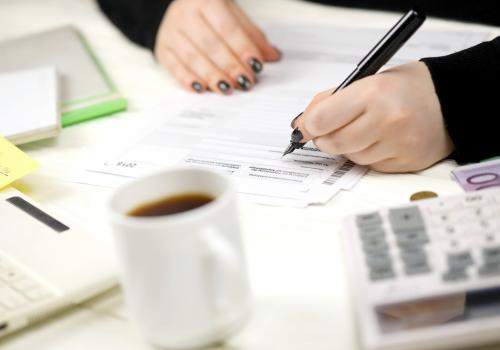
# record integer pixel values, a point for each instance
(11, 275)
(404, 219)
(371, 231)
(371, 219)
(25, 284)
(375, 244)
(3, 311)
(382, 273)
(455, 275)
(11, 299)
(4, 265)
(38, 294)
(459, 261)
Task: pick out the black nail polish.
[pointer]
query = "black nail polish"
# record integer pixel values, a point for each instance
(255, 64)
(197, 87)
(294, 119)
(296, 136)
(223, 86)
(244, 83)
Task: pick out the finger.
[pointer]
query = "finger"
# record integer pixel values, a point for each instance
(334, 112)
(269, 52)
(179, 71)
(391, 165)
(225, 24)
(373, 154)
(317, 98)
(200, 65)
(356, 136)
(219, 54)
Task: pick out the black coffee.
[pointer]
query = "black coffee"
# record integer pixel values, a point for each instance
(172, 204)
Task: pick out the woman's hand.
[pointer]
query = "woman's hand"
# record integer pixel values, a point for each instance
(211, 44)
(391, 121)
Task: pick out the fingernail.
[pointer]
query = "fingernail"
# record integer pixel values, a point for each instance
(296, 135)
(197, 87)
(292, 124)
(278, 51)
(255, 64)
(223, 86)
(244, 83)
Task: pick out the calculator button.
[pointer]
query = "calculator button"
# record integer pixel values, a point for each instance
(371, 219)
(375, 244)
(370, 232)
(490, 211)
(403, 219)
(375, 260)
(413, 257)
(477, 199)
(412, 239)
(419, 269)
(491, 255)
(459, 260)
(455, 275)
(382, 273)
(488, 270)
(448, 205)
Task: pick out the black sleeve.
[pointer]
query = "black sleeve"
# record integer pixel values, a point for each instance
(137, 19)
(467, 84)
(481, 11)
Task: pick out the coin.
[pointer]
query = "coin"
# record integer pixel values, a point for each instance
(422, 195)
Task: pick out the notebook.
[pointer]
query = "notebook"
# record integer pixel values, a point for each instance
(86, 90)
(30, 105)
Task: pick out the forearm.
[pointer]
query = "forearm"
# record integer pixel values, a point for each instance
(137, 19)
(481, 11)
(467, 85)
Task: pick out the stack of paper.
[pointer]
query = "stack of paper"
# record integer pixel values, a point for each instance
(30, 105)
(245, 135)
(86, 90)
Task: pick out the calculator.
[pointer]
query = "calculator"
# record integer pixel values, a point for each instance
(426, 275)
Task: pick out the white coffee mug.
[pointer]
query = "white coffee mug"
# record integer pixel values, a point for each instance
(183, 275)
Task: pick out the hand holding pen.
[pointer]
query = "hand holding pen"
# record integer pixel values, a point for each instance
(391, 121)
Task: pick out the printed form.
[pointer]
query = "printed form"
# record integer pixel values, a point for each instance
(244, 135)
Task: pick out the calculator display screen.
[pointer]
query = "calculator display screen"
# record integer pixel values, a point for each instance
(440, 310)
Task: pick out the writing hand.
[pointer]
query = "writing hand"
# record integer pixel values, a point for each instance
(391, 121)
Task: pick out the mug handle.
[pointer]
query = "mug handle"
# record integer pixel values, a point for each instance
(224, 270)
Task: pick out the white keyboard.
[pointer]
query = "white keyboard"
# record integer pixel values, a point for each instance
(427, 247)
(19, 290)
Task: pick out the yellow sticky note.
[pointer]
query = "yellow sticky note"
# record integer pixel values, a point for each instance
(14, 163)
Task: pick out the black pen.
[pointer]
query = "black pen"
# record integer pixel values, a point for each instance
(378, 56)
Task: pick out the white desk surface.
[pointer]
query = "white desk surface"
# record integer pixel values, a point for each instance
(295, 260)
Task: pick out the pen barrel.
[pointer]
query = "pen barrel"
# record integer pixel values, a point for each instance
(392, 41)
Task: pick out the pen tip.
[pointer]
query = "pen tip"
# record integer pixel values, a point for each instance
(289, 150)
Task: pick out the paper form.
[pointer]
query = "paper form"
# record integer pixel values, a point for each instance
(244, 135)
